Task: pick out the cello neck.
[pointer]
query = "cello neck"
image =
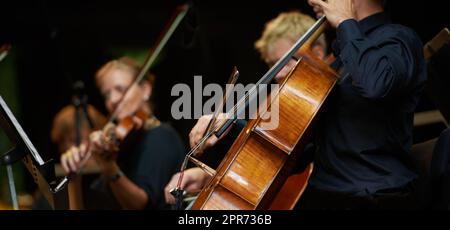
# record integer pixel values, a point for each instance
(315, 35)
(305, 41)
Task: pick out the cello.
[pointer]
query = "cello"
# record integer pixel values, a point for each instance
(256, 171)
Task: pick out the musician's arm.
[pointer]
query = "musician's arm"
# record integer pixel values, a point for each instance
(379, 69)
(128, 194)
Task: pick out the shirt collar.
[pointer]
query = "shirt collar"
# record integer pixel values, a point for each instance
(367, 25)
(373, 21)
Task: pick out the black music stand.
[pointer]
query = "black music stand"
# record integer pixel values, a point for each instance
(43, 172)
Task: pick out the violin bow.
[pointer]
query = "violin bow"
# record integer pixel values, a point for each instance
(162, 41)
(151, 58)
(178, 192)
(228, 90)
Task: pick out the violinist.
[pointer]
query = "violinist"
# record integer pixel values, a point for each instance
(133, 173)
(363, 143)
(278, 37)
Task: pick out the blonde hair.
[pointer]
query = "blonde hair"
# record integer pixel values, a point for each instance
(124, 63)
(290, 25)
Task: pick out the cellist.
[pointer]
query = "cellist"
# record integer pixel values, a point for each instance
(134, 175)
(362, 158)
(278, 37)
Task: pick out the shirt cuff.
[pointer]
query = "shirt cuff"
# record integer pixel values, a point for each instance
(348, 30)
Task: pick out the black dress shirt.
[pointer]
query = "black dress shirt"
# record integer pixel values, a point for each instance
(365, 135)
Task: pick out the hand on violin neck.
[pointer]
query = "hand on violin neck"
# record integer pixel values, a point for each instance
(336, 11)
(74, 159)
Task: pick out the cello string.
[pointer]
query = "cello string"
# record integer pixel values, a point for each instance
(241, 104)
(269, 75)
(278, 66)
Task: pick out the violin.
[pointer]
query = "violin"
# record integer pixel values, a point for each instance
(124, 126)
(117, 130)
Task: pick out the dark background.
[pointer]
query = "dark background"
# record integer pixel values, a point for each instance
(58, 42)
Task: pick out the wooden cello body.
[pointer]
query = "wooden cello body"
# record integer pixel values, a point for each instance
(255, 173)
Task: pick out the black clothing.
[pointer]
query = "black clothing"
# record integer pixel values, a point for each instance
(440, 172)
(365, 135)
(150, 163)
(363, 142)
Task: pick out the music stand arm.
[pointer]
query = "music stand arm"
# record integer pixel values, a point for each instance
(42, 172)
